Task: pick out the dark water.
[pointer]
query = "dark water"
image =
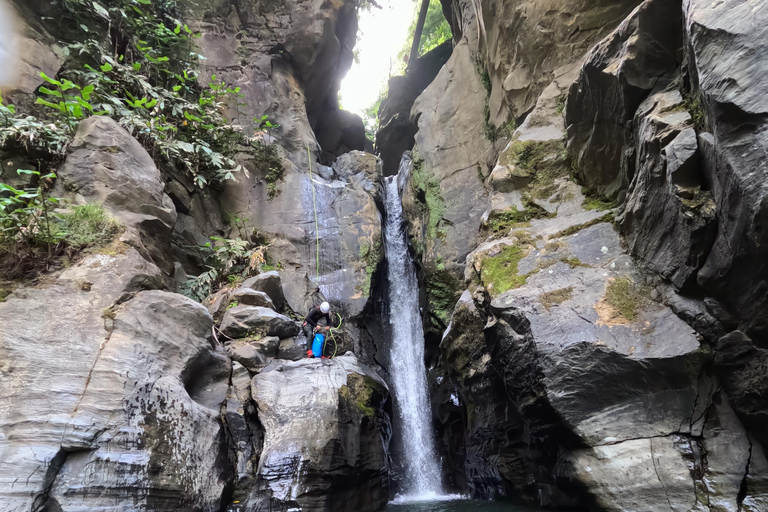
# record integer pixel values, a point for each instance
(457, 506)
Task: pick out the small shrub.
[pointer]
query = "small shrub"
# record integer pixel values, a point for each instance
(88, 225)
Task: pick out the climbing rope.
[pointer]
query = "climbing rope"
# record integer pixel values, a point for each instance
(317, 252)
(314, 205)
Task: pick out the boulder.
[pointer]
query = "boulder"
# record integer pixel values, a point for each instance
(133, 387)
(325, 435)
(269, 283)
(253, 354)
(251, 297)
(107, 165)
(242, 321)
(617, 75)
(291, 349)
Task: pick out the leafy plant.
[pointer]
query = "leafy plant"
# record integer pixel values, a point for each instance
(225, 258)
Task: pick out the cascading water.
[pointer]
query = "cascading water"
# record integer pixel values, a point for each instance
(409, 380)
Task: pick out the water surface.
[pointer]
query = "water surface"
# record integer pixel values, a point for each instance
(458, 505)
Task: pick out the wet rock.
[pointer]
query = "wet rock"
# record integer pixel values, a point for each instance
(241, 321)
(323, 420)
(251, 297)
(724, 41)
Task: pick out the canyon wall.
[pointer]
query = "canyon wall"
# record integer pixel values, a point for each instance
(586, 207)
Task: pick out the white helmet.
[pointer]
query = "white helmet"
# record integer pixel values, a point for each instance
(325, 307)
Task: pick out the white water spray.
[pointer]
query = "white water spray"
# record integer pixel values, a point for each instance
(409, 379)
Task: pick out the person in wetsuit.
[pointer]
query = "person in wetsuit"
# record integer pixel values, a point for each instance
(311, 323)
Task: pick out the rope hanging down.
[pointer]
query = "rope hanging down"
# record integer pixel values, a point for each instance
(317, 231)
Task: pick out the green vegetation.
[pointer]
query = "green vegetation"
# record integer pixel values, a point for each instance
(555, 297)
(625, 296)
(148, 83)
(226, 259)
(693, 104)
(443, 290)
(427, 190)
(596, 202)
(88, 225)
(608, 217)
(561, 103)
(32, 234)
(359, 392)
(499, 273)
(502, 222)
(370, 255)
(436, 31)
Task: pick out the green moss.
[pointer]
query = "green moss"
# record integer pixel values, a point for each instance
(443, 289)
(269, 165)
(608, 217)
(502, 222)
(561, 103)
(625, 296)
(359, 392)
(370, 255)
(232, 304)
(596, 202)
(555, 297)
(575, 262)
(499, 273)
(88, 225)
(485, 78)
(693, 104)
(427, 189)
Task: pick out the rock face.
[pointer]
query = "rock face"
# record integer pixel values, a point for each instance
(324, 420)
(589, 364)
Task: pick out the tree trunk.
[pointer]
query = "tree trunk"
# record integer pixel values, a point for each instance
(417, 35)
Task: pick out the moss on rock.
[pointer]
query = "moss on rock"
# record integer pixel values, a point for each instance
(359, 392)
(500, 273)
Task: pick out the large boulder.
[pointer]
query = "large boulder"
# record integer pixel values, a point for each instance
(107, 165)
(251, 297)
(724, 43)
(126, 382)
(617, 75)
(241, 321)
(325, 436)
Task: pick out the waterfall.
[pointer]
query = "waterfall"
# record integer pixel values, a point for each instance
(408, 375)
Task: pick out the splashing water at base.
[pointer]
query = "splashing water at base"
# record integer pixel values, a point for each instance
(409, 380)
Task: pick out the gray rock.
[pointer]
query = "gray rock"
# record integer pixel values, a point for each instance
(617, 75)
(323, 420)
(669, 216)
(135, 392)
(725, 41)
(253, 354)
(251, 297)
(452, 144)
(269, 283)
(741, 366)
(291, 349)
(107, 165)
(242, 321)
